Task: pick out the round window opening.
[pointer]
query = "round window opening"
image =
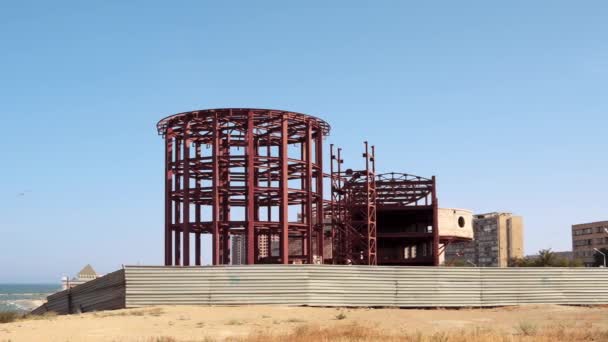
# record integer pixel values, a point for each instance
(461, 222)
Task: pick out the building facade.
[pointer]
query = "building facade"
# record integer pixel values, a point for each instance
(238, 251)
(498, 237)
(87, 273)
(586, 237)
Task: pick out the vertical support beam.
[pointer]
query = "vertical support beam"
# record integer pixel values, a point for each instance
(435, 224)
(227, 162)
(283, 189)
(368, 189)
(370, 203)
(178, 204)
(304, 202)
(343, 236)
(309, 215)
(319, 190)
(374, 210)
(197, 213)
(168, 199)
(186, 197)
(256, 203)
(215, 193)
(269, 165)
(250, 195)
(332, 204)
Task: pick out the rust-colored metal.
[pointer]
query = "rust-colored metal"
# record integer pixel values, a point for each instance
(353, 211)
(258, 173)
(408, 226)
(247, 172)
(386, 219)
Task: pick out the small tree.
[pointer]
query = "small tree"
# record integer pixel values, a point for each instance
(546, 258)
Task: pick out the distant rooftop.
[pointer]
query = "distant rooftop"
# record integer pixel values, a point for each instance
(87, 272)
(493, 214)
(596, 223)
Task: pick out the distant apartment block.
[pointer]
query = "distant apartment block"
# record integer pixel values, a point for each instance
(497, 238)
(586, 237)
(268, 248)
(238, 250)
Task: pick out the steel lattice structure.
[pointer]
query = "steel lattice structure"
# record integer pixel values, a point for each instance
(385, 219)
(257, 174)
(352, 210)
(240, 171)
(408, 227)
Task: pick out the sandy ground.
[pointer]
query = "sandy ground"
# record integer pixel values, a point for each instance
(188, 323)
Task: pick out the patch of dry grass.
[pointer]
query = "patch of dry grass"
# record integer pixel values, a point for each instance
(44, 316)
(149, 312)
(235, 322)
(162, 339)
(359, 333)
(341, 316)
(295, 320)
(10, 316)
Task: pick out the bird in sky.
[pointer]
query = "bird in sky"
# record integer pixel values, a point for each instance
(21, 194)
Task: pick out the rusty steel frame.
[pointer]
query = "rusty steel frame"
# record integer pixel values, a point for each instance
(410, 195)
(357, 201)
(353, 210)
(242, 171)
(208, 178)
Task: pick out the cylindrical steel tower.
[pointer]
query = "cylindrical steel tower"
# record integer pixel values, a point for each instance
(252, 175)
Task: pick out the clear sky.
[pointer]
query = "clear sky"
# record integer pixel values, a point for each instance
(505, 102)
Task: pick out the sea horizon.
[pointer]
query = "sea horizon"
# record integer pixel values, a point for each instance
(23, 297)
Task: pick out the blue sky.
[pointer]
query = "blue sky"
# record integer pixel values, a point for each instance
(506, 103)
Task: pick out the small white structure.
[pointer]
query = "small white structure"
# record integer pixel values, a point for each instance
(87, 273)
(455, 223)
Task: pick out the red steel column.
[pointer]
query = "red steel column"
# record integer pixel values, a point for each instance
(250, 195)
(256, 203)
(283, 189)
(333, 185)
(197, 212)
(168, 199)
(319, 190)
(186, 197)
(178, 204)
(435, 225)
(215, 193)
(225, 164)
(374, 212)
(308, 182)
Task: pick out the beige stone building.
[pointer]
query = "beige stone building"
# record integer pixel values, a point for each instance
(498, 237)
(87, 273)
(586, 237)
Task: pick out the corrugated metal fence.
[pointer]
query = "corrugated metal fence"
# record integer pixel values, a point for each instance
(328, 285)
(105, 293)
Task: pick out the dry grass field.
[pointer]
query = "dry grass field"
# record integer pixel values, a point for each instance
(268, 323)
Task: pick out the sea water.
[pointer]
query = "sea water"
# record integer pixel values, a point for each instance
(24, 297)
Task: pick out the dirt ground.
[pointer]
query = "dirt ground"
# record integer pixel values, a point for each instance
(189, 323)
